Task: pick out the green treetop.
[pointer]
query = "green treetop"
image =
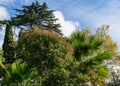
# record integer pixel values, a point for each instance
(36, 15)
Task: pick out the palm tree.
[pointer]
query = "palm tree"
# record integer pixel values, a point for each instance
(88, 53)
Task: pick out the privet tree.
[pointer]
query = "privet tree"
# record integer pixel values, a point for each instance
(36, 15)
(48, 53)
(9, 44)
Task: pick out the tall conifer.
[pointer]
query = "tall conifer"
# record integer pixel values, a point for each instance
(36, 15)
(8, 45)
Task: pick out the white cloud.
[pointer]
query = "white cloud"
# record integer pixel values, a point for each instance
(2, 32)
(96, 16)
(67, 27)
(1, 43)
(3, 13)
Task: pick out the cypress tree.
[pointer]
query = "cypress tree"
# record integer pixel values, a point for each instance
(8, 45)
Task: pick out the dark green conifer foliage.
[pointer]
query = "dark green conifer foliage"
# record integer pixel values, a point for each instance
(8, 45)
(49, 19)
(36, 15)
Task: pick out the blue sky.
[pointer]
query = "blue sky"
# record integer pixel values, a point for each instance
(75, 14)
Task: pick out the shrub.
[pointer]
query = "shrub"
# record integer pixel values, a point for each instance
(42, 48)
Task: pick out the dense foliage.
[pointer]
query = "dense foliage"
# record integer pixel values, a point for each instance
(9, 45)
(45, 51)
(42, 47)
(42, 57)
(88, 53)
